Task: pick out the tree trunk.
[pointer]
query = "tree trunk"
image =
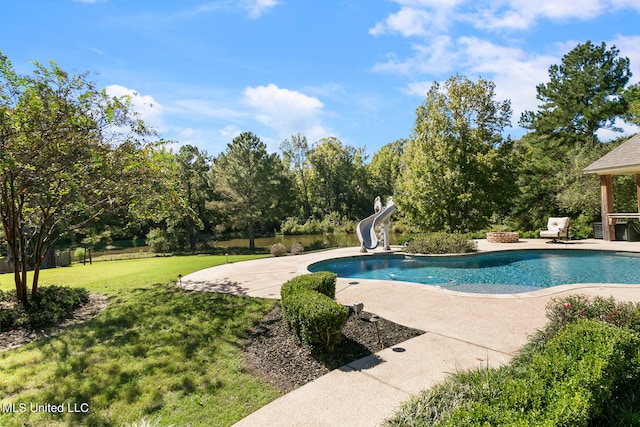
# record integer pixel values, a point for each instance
(252, 242)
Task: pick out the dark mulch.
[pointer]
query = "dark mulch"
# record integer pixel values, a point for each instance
(271, 353)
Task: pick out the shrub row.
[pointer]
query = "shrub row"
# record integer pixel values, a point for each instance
(279, 249)
(49, 305)
(568, 383)
(440, 243)
(622, 314)
(331, 223)
(310, 312)
(586, 359)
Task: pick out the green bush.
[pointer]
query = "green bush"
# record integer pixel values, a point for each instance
(315, 320)
(310, 312)
(48, 306)
(440, 243)
(322, 281)
(54, 303)
(568, 383)
(573, 307)
(331, 223)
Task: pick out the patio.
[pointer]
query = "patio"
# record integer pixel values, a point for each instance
(463, 331)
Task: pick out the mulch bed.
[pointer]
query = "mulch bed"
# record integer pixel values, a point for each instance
(17, 337)
(271, 353)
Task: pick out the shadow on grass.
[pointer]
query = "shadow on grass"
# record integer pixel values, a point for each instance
(146, 351)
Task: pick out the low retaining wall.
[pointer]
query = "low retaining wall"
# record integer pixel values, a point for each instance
(503, 237)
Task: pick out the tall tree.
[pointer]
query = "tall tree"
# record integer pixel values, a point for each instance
(250, 181)
(339, 179)
(193, 173)
(583, 95)
(295, 153)
(456, 158)
(632, 97)
(385, 167)
(67, 153)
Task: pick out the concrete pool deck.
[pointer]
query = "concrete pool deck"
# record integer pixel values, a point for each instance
(462, 331)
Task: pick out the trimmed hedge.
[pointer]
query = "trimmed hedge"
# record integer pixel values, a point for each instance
(322, 281)
(568, 383)
(310, 313)
(316, 320)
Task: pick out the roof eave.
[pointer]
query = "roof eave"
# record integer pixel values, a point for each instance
(627, 170)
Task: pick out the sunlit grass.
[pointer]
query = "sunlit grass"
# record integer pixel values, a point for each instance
(156, 351)
(110, 277)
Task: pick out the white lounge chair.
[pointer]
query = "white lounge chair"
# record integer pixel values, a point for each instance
(556, 228)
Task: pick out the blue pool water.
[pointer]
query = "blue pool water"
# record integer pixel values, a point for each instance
(495, 273)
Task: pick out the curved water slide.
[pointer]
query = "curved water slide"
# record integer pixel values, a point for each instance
(367, 227)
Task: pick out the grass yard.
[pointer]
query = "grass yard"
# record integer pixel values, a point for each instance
(156, 352)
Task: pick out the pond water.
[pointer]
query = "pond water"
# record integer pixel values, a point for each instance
(494, 273)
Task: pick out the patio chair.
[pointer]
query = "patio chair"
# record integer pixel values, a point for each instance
(556, 228)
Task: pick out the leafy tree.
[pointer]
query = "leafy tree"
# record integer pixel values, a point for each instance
(193, 173)
(583, 95)
(67, 153)
(250, 181)
(385, 168)
(338, 179)
(457, 159)
(295, 153)
(632, 97)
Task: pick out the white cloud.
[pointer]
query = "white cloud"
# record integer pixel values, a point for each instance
(150, 111)
(435, 57)
(286, 111)
(514, 71)
(629, 47)
(420, 18)
(256, 8)
(523, 14)
(408, 22)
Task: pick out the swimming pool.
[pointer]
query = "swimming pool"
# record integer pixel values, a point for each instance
(496, 272)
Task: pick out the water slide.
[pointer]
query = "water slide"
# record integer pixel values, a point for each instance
(367, 227)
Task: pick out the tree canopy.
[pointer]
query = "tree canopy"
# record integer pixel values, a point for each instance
(66, 151)
(250, 181)
(453, 163)
(583, 95)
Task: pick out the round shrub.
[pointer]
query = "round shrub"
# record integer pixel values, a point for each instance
(297, 249)
(278, 249)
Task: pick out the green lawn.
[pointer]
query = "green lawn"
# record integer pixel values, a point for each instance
(156, 352)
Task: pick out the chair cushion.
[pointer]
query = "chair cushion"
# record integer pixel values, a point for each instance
(556, 227)
(558, 223)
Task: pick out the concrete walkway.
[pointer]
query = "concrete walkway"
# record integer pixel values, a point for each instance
(462, 331)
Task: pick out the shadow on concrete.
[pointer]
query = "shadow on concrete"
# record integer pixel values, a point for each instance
(224, 285)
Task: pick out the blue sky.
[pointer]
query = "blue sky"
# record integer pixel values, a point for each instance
(203, 71)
